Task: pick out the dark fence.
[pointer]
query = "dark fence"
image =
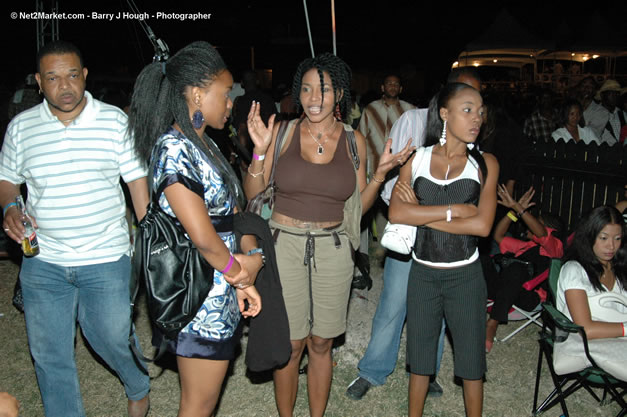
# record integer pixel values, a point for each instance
(572, 178)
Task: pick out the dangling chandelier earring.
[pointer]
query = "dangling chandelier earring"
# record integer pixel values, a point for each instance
(338, 113)
(443, 137)
(197, 118)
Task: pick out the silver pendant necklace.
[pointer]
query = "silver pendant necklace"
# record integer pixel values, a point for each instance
(319, 135)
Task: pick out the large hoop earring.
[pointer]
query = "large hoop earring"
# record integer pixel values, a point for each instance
(443, 136)
(198, 118)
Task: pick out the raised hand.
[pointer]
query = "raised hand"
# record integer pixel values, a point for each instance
(387, 161)
(503, 196)
(525, 200)
(260, 134)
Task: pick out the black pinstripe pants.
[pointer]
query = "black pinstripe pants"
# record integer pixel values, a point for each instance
(458, 294)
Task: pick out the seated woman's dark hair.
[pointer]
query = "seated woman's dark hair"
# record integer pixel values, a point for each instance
(562, 117)
(158, 97)
(581, 248)
(339, 72)
(435, 124)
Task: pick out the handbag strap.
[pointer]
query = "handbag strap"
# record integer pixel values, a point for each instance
(352, 145)
(277, 147)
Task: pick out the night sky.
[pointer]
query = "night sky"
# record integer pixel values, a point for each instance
(410, 37)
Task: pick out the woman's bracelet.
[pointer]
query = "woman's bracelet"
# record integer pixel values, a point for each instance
(512, 216)
(375, 179)
(228, 265)
(523, 211)
(259, 157)
(8, 206)
(256, 174)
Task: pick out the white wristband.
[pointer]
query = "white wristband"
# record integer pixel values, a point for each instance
(449, 214)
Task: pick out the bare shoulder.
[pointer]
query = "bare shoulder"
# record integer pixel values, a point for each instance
(491, 162)
(490, 159)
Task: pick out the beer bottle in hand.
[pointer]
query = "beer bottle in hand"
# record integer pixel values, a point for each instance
(30, 246)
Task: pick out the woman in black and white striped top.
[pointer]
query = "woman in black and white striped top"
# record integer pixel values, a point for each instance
(452, 200)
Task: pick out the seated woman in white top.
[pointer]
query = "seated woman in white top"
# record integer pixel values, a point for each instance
(596, 266)
(569, 118)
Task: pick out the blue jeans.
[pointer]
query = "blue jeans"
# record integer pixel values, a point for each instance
(380, 358)
(55, 297)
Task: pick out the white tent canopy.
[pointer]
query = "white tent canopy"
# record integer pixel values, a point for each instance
(506, 43)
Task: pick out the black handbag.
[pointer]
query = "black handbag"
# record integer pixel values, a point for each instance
(176, 276)
(505, 261)
(263, 203)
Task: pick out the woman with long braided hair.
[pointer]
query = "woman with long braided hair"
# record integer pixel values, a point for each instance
(172, 105)
(315, 176)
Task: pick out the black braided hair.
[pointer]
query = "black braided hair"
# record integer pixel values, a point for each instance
(435, 123)
(159, 100)
(339, 72)
(159, 95)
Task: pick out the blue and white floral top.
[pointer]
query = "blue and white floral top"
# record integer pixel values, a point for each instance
(180, 161)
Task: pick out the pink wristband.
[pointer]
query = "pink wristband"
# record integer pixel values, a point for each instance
(623, 329)
(229, 265)
(258, 157)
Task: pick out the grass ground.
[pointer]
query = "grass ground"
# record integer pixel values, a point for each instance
(508, 389)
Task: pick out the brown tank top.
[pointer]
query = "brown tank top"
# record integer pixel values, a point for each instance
(313, 192)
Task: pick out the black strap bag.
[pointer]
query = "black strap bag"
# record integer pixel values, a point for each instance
(176, 276)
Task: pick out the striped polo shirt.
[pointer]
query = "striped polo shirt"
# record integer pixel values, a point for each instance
(73, 179)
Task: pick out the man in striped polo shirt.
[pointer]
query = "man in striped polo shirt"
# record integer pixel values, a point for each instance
(71, 151)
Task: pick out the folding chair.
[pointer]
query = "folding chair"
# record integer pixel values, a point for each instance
(556, 329)
(528, 317)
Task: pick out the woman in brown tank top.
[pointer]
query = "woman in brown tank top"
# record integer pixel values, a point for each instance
(322, 87)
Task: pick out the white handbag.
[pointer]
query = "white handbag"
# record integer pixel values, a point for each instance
(400, 238)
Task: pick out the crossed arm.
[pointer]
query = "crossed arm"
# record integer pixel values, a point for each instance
(466, 219)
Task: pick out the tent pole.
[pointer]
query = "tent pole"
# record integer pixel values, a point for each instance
(308, 29)
(333, 26)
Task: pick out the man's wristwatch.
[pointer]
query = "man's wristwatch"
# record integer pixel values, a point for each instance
(259, 251)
